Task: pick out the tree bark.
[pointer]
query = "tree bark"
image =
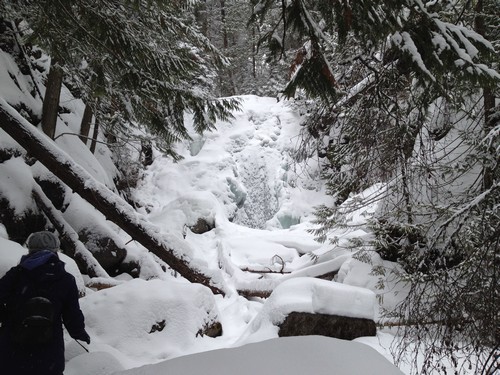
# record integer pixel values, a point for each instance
(85, 124)
(488, 97)
(95, 134)
(50, 107)
(225, 40)
(489, 105)
(113, 207)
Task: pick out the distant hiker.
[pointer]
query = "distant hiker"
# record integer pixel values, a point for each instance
(37, 297)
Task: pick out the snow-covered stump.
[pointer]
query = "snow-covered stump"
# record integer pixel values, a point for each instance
(309, 306)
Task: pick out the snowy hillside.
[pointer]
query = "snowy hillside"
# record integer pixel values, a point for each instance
(240, 179)
(243, 182)
(246, 165)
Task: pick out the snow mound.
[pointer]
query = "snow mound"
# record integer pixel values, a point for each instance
(288, 355)
(95, 363)
(304, 294)
(152, 319)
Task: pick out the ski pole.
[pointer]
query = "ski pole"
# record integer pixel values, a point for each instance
(78, 342)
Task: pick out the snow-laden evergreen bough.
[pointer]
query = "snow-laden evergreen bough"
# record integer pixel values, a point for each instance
(408, 99)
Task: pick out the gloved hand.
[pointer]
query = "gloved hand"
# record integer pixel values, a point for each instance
(84, 336)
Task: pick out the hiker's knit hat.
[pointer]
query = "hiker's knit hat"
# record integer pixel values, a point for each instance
(43, 240)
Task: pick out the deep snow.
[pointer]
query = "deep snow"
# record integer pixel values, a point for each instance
(243, 180)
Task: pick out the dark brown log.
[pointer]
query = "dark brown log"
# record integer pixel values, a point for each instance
(247, 293)
(50, 107)
(85, 124)
(95, 134)
(342, 327)
(113, 207)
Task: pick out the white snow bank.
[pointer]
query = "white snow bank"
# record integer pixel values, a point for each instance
(16, 184)
(187, 210)
(388, 287)
(95, 363)
(15, 87)
(304, 294)
(149, 321)
(288, 355)
(10, 254)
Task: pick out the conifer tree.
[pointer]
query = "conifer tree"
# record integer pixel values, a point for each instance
(137, 63)
(251, 70)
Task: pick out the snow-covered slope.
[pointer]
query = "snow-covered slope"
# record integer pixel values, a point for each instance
(291, 356)
(241, 179)
(246, 164)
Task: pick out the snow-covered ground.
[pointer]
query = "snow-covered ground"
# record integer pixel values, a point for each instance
(242, 180)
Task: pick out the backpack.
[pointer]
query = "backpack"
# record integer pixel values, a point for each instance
(33, 321)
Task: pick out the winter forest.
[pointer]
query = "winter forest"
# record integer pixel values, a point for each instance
(273, 187)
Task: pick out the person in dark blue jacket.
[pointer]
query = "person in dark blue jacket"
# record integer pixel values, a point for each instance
(40, 269)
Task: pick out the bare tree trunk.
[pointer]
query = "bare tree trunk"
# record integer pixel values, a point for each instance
(223, 20)
(254, 53)
(85, 124)
(95, 134)
(489, 105)
(201, 15)
(488, 96)
(113, 207)
(51, 100)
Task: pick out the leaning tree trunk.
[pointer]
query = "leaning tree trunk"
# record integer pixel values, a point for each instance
(113, 207)
(75, 248)
(51, 100)
(95, 134)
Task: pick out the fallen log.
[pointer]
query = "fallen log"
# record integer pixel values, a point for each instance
(113, 207)
(75, 248)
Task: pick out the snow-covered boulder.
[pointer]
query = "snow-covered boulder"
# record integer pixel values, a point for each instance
(149, 319)
(309, 306)
(18, 212)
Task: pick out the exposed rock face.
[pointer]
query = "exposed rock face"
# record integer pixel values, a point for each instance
(341, 327)
(133, 268)
(158, 326)
(211, 330)
(55, 192)
(20, 226)
(109, 254)
(202, 226)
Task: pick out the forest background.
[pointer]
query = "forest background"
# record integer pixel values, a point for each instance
(402, 93)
